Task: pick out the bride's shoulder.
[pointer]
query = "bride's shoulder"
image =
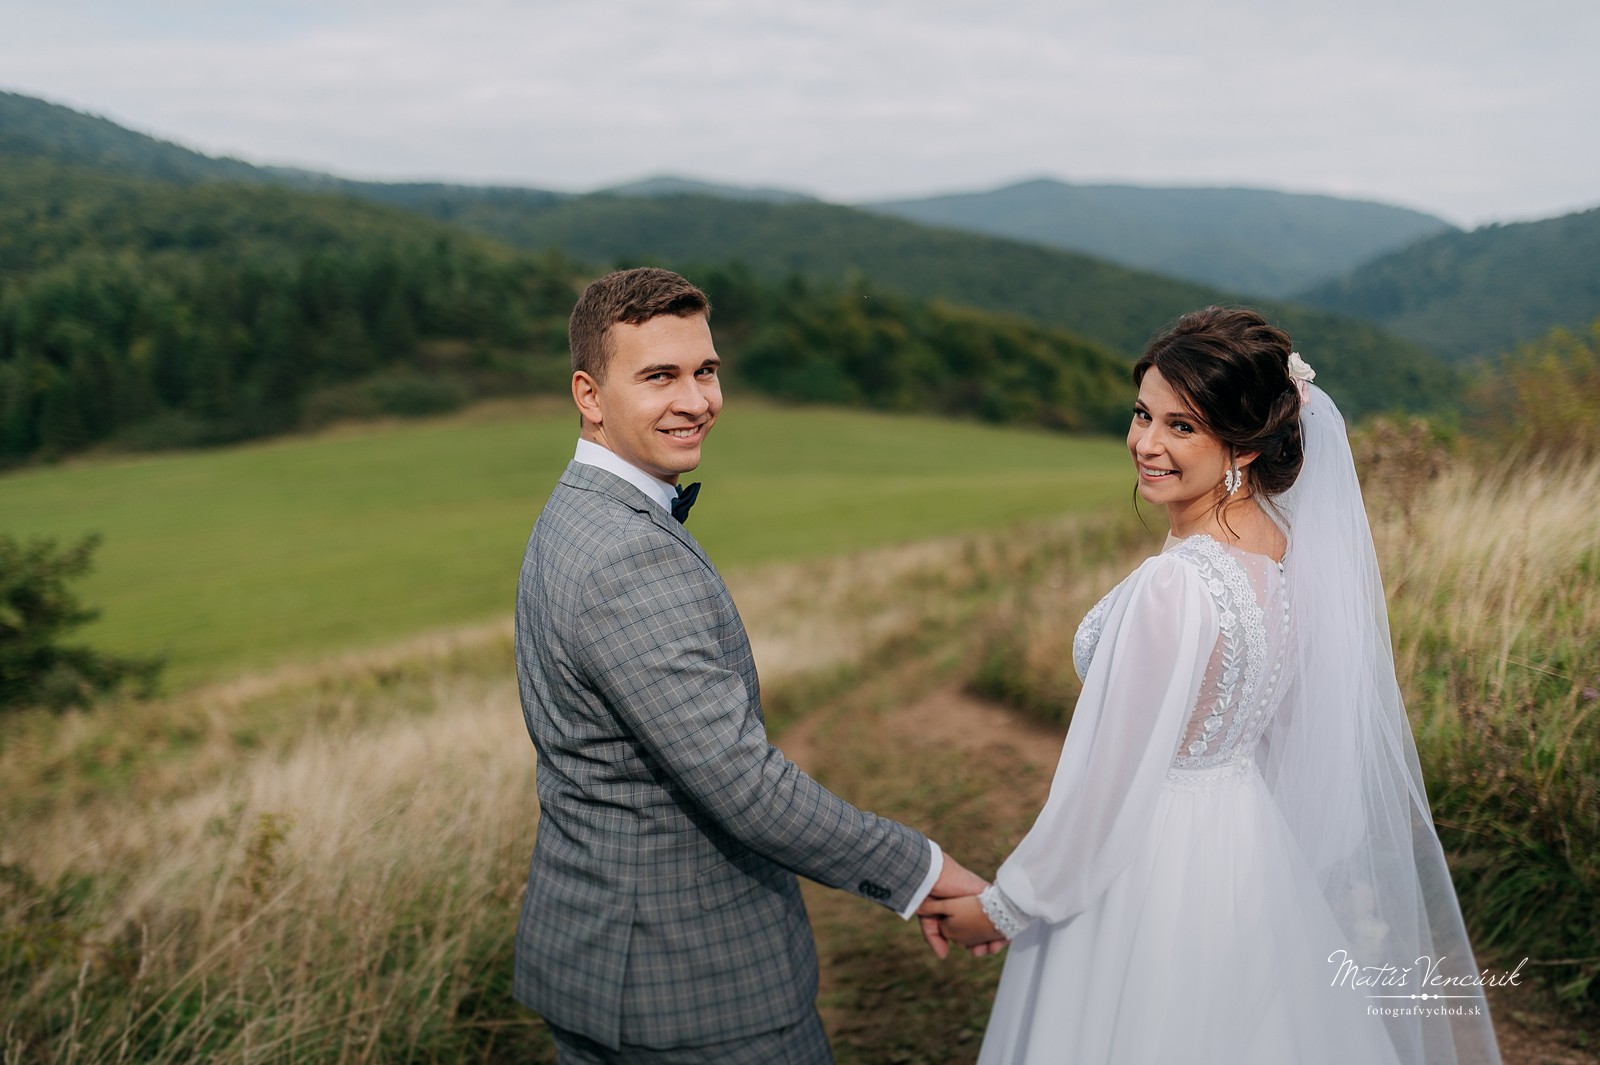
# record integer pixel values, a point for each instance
(1156, 587)
(1211, 565)
(1157, 577)
(1199, 551)
(1180, 566)
(1163, 585)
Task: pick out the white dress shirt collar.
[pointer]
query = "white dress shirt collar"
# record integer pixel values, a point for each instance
(591, 454)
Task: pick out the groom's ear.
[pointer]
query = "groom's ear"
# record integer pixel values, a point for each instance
(586, 394)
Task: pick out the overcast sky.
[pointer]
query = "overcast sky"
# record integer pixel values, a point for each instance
(1475, 110)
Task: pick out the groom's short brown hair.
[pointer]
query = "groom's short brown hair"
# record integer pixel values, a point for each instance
(631, 296)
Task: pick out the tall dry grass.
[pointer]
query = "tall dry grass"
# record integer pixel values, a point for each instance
(325, 902)
(1494, 591)
(323, 864)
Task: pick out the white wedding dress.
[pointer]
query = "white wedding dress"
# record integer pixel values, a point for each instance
(1238, 812)
(1174, 919)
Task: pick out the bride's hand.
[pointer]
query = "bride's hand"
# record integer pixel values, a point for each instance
(963, 921)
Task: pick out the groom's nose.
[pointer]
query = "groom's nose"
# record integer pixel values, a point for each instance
(692, 397)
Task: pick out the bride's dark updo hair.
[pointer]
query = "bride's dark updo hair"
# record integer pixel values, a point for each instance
(1231, 367)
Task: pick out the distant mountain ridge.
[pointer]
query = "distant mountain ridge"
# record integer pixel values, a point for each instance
(1474, 295)
(1101, 302)
(1250, 241)
(673, 185)
(1254, 241)
(31, 128)
(1113, 305)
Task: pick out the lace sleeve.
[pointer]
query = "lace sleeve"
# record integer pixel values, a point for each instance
(1002, 913)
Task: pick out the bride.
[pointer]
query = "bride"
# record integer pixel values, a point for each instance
(1236, 863)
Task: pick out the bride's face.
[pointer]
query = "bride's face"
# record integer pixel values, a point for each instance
(1179, 464)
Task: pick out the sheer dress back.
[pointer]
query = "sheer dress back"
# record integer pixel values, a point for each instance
(1245, 677)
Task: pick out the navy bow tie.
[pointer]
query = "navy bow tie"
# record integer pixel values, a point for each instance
(685, 500)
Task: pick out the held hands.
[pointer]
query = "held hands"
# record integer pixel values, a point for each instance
(953, 894)
(963, 922)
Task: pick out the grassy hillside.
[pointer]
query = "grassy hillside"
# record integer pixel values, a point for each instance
(324, 865)
(1121, 308)
(246, 557)
(1242, 240)
(1472, 295)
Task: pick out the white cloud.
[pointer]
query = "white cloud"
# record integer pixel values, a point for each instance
(1475, 111)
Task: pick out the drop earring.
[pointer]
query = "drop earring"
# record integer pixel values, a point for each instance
(1233, 479)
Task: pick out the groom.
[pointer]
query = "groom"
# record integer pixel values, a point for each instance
(662, 920)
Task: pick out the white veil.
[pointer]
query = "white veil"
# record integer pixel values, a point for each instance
(1342, 766)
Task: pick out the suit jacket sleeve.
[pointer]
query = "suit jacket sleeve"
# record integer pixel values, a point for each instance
(654, 641)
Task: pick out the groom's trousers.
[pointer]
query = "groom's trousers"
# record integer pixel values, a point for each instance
(804, 1043)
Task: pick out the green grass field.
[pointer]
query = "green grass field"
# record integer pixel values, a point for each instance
(244, 558)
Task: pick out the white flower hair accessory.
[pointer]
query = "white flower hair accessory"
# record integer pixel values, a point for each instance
(1301, 374)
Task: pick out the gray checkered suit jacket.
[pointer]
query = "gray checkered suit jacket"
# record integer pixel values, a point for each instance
(662, 907)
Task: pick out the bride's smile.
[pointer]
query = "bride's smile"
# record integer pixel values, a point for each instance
(1179, 463)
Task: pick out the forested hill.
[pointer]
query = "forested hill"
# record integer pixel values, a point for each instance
(141, 314)
(1367, 369)
(151, 296)
(1478, 294)
(1245, 240)
(145, 314)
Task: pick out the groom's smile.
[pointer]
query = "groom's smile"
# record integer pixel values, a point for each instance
(658, 397)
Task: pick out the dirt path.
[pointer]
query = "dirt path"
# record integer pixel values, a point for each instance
(947, 720)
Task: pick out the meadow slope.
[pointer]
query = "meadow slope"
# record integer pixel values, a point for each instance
(249, 557)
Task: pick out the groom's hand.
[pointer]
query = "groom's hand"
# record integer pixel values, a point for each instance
(955, 881)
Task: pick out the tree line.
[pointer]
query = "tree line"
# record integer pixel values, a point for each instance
(172, 350)
(138, 315)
